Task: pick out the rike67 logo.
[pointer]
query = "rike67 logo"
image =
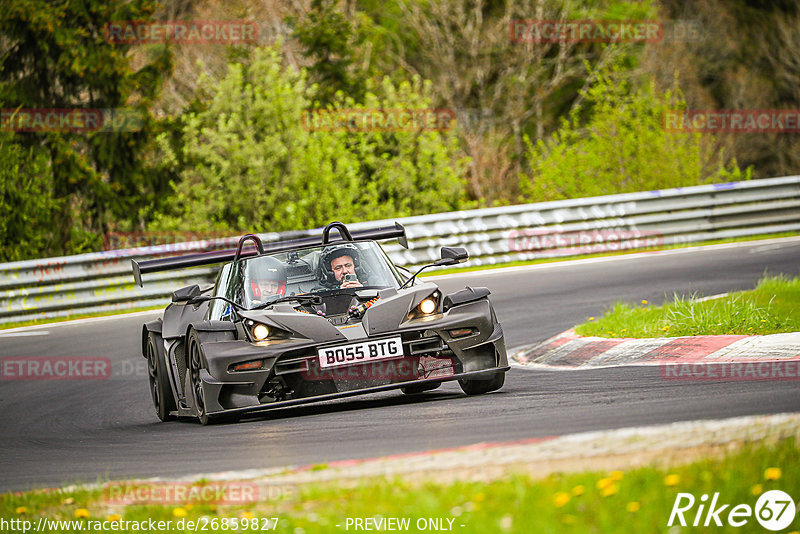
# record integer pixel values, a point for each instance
(774, 510)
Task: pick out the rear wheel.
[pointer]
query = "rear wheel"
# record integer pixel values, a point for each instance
(160, 389)
(196, 363)
(479, 387)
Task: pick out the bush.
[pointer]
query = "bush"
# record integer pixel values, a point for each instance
(623, 147)
(27, 226)
(249, 161)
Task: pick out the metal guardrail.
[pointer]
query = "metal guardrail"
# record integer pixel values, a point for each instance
(102, 281)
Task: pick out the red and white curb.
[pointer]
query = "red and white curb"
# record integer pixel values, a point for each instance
(571, 351)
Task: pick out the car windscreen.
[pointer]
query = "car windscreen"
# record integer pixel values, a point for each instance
(323, 269)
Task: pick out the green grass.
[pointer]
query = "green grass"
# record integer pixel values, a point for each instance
(637, 500)
(772, 307)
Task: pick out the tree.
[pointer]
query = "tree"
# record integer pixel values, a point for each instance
(253, 161)
(331, 39)
(56, 56)
(622, 146)
(26, 201)
(502, 87)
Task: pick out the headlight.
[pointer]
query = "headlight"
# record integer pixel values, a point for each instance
(260, 332)
(427, 306)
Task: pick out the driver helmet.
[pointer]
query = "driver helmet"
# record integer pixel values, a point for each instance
(265, 277)
(329, 254)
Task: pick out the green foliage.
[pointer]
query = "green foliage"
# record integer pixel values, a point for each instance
(26, 201)
(253, 163)
(331, 40)
(623, 146)
(55, 55)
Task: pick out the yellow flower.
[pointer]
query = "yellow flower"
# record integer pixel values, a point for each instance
(179, 512)
(247, 515)
(81, 513)
(561, 498)
(578, 490)
(478, 497)
(644, 301)
(591, 318)
(114, 517)
(68, 500)
(672, 479)
(633, 507)
(610, 490)
(757, 489)
(603, 483)
(21, 510)
(616, 476)
(772, 473)
(188, 506)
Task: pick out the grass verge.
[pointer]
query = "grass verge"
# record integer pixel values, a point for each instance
(772, 307)
(637, 500)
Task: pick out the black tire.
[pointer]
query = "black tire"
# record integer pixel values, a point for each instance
(479, 387)
(160, 389)
(420, 388)
(196, 362)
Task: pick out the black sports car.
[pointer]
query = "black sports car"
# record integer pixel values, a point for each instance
(313, 319)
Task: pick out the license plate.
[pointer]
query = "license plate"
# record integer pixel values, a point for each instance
(364, 352)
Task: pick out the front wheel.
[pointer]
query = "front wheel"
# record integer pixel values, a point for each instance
(479, 387)
(197, 362)
(160, 389)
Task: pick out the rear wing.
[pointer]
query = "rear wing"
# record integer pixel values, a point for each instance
(220, 256)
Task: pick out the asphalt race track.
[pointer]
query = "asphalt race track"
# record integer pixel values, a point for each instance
(61, 431)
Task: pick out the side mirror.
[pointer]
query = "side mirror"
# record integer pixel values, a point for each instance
(186, 294)
(453, 255)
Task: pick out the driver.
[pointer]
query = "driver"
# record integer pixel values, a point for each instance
(266, 277)
(339, 262)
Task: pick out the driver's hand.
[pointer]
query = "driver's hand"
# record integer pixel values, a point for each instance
(346, 285)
